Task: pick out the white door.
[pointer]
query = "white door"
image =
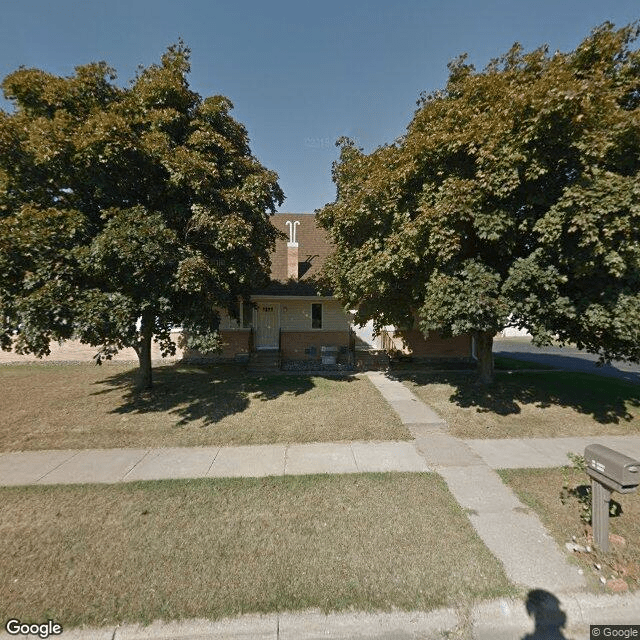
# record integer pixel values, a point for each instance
(268, 326)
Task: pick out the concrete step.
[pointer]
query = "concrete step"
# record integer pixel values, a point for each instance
(371, 359)
(265, 361)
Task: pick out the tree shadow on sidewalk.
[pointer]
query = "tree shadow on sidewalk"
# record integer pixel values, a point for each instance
(205, 393)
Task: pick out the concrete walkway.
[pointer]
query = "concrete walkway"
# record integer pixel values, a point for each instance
(512, 532)
(433, 449)
(529, 453)
(128, 465)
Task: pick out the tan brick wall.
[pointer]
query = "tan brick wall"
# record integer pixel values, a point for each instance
(435, 346)
(294, 343)
(233, 344)
(292, 260)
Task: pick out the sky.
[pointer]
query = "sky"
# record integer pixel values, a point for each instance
(299, 74)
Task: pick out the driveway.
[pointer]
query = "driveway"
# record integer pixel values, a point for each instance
(567, 358)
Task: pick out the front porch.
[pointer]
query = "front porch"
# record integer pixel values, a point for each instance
(291, 350)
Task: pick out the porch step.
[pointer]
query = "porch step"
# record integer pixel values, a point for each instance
(371, 359)
(264, 361)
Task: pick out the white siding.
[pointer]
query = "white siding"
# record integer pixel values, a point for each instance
(297, 316)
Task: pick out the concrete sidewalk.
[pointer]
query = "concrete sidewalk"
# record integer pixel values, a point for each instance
(505, 619)
(528, 453)
(433, 448)
(128, 465)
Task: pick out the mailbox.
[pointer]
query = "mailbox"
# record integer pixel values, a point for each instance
(609, 471)
(614, 470)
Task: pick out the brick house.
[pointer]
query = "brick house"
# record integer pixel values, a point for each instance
(289, 321)
(290, 324)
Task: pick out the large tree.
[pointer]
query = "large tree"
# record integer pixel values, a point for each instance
(513, 199)
(126, 211)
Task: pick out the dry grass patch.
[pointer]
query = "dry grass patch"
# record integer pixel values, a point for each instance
(84, 406)
(540, 489)
(523, 404)
(99, 555)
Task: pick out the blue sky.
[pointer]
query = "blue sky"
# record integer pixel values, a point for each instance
(300, 74)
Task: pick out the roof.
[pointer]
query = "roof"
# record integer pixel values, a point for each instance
(314, 247)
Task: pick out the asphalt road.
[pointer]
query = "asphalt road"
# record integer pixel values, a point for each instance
(565, 358)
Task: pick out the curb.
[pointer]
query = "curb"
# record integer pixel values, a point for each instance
(503, 619)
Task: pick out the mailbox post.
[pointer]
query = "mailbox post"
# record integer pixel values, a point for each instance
(609, 471)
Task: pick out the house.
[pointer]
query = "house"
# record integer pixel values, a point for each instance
(290, 324)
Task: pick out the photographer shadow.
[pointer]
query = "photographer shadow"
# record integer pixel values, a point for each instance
(549, 619)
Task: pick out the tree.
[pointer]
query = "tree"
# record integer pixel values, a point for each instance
(124, 212)
(512, 200)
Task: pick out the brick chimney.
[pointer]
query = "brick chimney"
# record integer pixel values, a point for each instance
(292, 251)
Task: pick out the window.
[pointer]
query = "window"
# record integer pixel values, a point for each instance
(316, 315)
(247, 315)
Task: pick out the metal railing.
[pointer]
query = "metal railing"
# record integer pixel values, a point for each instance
(387, 342)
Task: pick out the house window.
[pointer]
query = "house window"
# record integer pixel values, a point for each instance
(316, 315)
(247, 315)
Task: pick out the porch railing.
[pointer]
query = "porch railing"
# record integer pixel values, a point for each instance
(387, 342)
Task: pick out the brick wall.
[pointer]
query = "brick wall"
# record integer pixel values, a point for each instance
(435, 346)
(294, 343)
(233, 344)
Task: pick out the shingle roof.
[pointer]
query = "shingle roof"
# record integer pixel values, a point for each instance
(313, 248)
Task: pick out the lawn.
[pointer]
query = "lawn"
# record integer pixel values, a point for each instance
(58, 406)
(98, 555)
(505, 363)
(540, 489)
(522, 404)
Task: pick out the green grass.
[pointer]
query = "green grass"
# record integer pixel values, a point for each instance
(98, 555)
(523, 404)
(540, 490)
(84, 406)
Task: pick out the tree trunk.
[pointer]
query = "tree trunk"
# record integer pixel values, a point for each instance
(484, 351)
(143, 349)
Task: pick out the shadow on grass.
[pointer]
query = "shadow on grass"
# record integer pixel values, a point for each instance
(582, 493)
(584, 362)
(607, 400)
(208, 393)
(505, 363)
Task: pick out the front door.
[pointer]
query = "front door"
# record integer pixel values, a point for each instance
(268, 326)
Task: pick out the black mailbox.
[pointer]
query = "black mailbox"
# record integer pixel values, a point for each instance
(614, 470)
